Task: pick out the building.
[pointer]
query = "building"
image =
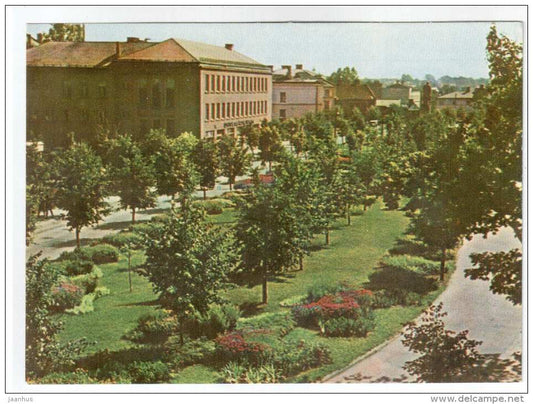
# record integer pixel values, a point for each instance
(397, 91)
(460, 99)
(134, 86)
(298, 92)
(350, 96)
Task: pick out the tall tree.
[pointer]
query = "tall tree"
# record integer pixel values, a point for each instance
(268, 233)
(131, 174)
(269, 143)
(206, 161)
(234, 158)
(82, 188)
(188, 262)
(346, 75)
(65, 33)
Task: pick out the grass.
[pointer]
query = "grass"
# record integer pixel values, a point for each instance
(350, 258)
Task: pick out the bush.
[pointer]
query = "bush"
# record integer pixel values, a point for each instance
(233, 347)
(410, 246)
(391, 279)
(410, 263)
(317, 291)
(88, 282)
(101, 253)
(292, 357)
(218, 319)
(148, 372)
(293, 301)
(347, 327)
(211, 206)
(79, 376)
(87, 301)
(121, 239)
(191, 352)
(65, 296)
(153, 328)
(79, 266)
(280, 323)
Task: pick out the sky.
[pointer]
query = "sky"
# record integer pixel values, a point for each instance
(376, 50)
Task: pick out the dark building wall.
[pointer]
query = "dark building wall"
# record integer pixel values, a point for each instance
(154, 95)
(63, 100)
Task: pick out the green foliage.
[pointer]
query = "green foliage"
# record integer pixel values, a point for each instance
(411, 263)
(82, 187)
(205, 159)
(347, 327)
(43, 353)
(121, 239)
(77, 266)
(194, 351)
(233, 157)
(213, 206)
(66, 295)
(389, 278)
(503, 269)
(188, 262)
(148, 372)
(280, 323)
(65, 33)
(346, 76)
(87, 282)
(153, 328)
(218, 319)
(101, 253)
(132, 174)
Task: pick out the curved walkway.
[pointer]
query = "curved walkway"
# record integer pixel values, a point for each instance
(470, 305)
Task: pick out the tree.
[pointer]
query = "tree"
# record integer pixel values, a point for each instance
(234, 159)
(188, 262)
(206, 161)
(44, 354)
(268, 233)
(295, 134)
(250, 136)
(407, 78)
(269, 143)
(174, 170)
(448, 357)
(65, 33)
(132, 175)
(346, 75)
(82, 188)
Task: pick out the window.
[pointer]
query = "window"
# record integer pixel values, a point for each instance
(171, 127)
(233, 110)
(233, 84)
(67, 89)
(282, 113)
(143, 94)
(223, 83)
(246, 109)
(156, 95)
(156, 124)
(213, 111)
(170, 94)
(218, 83)
(84, 90)
(218, 110)
(282, 97)
(228, 109)
(223, 110)
(326, 105)
(144, 126)
(207, 112)
(210, 134)
(213, 79)
(102, 90)
(207, 82)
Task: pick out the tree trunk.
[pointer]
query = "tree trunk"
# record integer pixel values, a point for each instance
(205, 192)
(269, 165)
(327, 236)
(129, 270)
(442, 264)
(348, 215)
(301, 262)
(133, 215)
(265, 289)
(230, 185)
(78, 237)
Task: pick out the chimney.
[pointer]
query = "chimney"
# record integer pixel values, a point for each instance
(289, 70)
(117, 49)
(229, 46)
(467, 90)
(133, 39)
(40, 37)
(299, 67)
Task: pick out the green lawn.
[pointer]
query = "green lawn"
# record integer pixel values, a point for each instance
(352, 255)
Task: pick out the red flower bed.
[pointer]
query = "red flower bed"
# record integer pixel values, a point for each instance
(233, 346)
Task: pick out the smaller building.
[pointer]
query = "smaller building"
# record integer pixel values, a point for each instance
(359, 96)
(460, 99)
(298, 92)
(397, 91)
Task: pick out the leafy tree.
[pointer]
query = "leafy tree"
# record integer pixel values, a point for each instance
(407, 78)
(132, 175)
(269, 233)
(269, 143)
(250, 136)
(206, 161)
(65, 33)
(82, 188)
(448, 357)
(350, 190)
(44, 354)
(188, 262)
(295, 134)
(174, 170)
(41, 179)
(346, 75)
(234, 158)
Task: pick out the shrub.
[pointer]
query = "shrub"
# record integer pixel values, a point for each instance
(153, 328)
(79, 376)
(292, 357)
(211, 206)
(233, 347)
(65, 296)
(293, 301)
(77, 266)
(87, 301)
(328, 306)
(123, 238)
(148, 372)
(389, 279)
(200, 350)
(218, 319)
(347, 327)
(410, 246)
(410, 263)
(76, 254)
(317, 291)
(88, 282)
(102, 253)
(280, 323)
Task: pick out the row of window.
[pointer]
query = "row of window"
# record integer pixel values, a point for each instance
(169, 125)
(83, 90)
(157, 95)
(224, 110)
(217, 83)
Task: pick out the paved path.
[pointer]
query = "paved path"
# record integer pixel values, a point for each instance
(470, 305)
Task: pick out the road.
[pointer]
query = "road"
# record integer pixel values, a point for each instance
(52, 236)
(470, 305)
